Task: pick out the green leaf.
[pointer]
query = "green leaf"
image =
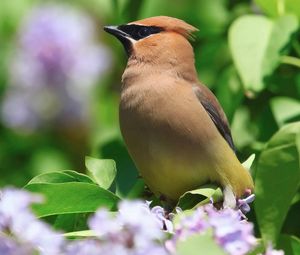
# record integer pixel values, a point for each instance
(279, 106)
(279, 7)
(61, 177)
(199, 244)
(229, 91)
(295, 243)
(69, 222)
(137, 190)
(244, 131)
(258, 249)
(80, 234)
(200, 196)
(103, 170)
(256, 44)
(127, 174)
(290, 244)
(72, 197)
(52, 177)
(277, 180)
(78, 176)
(248, 163)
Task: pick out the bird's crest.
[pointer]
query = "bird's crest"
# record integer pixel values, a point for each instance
(169, 24)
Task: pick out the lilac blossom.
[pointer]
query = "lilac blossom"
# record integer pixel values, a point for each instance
(20, 229)
(104, 224)
(243, 204)
(230, 232)
(137, 218)
(164, 218)
(228, 227)
(134, 230)
(271, 251)
(53, 69)
(188, 224)
(96, 247)
(8, 246)
(85, 247)
(193, 223)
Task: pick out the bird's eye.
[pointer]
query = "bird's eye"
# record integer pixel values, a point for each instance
(138, 32)
(143, 32)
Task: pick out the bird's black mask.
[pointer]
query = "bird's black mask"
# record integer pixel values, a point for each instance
(127, 32)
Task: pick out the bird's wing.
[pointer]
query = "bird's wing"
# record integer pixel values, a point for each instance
(215, 112)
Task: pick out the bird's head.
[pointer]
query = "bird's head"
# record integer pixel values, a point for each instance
(152, 36)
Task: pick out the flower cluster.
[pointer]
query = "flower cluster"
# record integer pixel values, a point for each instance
(230, 231)
(228, 228)
(20, 231)
(270, 251)
(53, 69)
(135, 229)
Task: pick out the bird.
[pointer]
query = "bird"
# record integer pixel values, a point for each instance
(173, 126)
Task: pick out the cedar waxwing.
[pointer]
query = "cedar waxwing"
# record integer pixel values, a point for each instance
(174, 127)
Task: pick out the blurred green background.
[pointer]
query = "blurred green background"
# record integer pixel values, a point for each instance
(60, 77)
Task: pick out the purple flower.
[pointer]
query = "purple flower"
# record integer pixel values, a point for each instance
(270, 251)
(19, 223)
(96, 247)
(194, 223)
(8, 246)
(14, 206)
(138, 219)
(12, 200)
(243, 204)
(54, 68)
(188, 224)
(41, 236)
(153, 250)
(164, 218)
(85, 247)
(227, 226)
(104, 225)
(133, 230)
(234, 235)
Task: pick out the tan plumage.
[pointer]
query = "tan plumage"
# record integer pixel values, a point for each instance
(173, 126)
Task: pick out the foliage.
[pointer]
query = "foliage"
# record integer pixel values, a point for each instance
(135, 228)
(246, 52)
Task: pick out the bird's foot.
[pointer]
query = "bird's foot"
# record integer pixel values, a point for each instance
(167, 203)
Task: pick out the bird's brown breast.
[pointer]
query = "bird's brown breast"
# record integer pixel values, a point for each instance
(167, 137)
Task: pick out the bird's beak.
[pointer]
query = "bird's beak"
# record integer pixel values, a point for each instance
(121, 36)
(116, 32)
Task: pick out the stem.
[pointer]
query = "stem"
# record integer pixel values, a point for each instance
(290, 61)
